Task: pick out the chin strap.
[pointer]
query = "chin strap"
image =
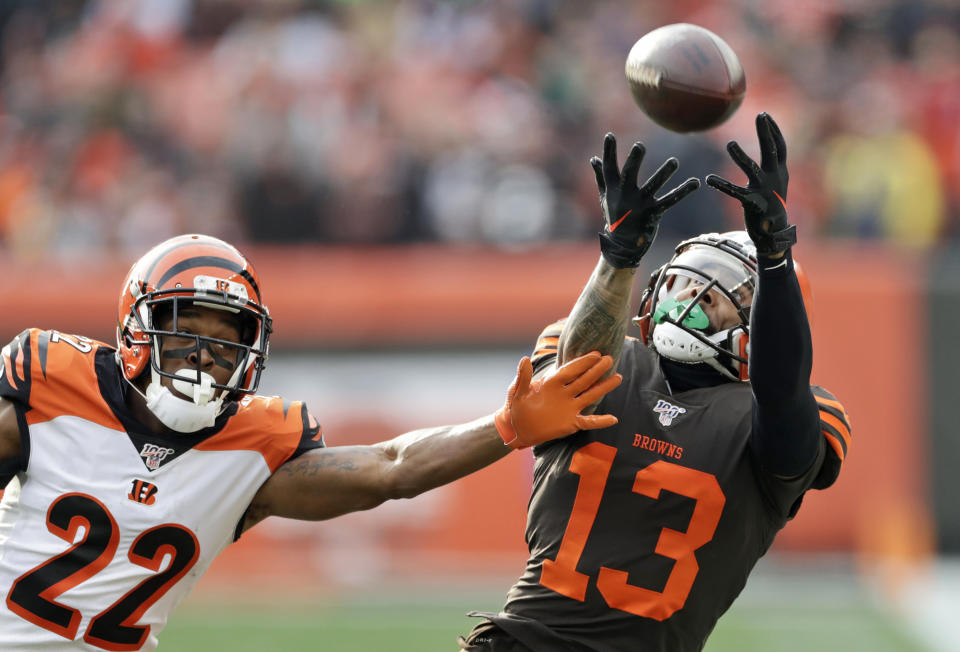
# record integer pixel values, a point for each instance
(177, 414)
(679, 345)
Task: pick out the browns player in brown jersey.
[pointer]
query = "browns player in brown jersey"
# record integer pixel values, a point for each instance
(641, 535)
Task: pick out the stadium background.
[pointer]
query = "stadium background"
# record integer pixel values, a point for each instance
(411, 181)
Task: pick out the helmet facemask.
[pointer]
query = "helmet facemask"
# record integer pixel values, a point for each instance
(204, 397)
(674, 315)
(246, 357)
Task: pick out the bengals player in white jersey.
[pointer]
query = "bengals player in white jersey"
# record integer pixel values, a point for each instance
(128, 469)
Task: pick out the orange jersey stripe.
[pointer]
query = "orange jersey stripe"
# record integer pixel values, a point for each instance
(837, 447)
(840, 426)
(20, 356)
(548, 344)
(833, 404)
(70, 390)
(260, 425)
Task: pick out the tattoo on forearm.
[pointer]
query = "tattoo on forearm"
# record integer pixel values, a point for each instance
(594, 328)
(599, 319)
(308, 466)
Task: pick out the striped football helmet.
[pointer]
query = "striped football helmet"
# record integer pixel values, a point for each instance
(199, 270)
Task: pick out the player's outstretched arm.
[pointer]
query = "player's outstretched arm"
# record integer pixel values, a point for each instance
(631, 216)
(327, 482)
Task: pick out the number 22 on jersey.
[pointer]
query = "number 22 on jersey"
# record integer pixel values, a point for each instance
(593, 463)
(33, 594)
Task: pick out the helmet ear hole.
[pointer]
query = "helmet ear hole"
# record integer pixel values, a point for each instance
(133, 354)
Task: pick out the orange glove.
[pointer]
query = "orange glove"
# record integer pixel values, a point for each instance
(549, 408)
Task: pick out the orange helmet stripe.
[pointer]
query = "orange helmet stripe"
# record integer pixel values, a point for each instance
(167, 264)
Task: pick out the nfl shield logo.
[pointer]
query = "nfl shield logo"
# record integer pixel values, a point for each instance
(154, 455)
(668, 412)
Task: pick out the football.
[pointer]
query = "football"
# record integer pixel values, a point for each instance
(685, 78)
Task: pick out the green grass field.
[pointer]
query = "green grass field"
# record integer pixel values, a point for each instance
(800, 622)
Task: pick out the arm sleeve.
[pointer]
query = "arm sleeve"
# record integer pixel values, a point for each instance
(786, 424)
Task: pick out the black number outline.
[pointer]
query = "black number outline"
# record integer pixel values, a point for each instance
(32, 595)
(116, 628)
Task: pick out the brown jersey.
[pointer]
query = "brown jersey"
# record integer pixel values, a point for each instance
(641, 535)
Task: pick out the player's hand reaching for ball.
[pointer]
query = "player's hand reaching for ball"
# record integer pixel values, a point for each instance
(548, 408)
(764, 198)
(632, 214)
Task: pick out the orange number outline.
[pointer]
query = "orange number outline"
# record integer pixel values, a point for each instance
(593, 463)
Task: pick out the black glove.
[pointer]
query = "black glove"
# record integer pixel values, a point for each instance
(765, 197)
(632, 214)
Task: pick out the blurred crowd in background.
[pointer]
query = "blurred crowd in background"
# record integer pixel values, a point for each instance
(123, 122)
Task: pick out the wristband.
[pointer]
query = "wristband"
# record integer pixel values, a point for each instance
(504, 424)
(773, 243)
(618, 255)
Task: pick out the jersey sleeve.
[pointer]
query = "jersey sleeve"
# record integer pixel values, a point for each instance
(833, 442)
(312, 435)
(15, 367)
(547, 347)
(835, 428)
(277, 429)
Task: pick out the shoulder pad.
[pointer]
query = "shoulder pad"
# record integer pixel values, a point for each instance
(35, 354)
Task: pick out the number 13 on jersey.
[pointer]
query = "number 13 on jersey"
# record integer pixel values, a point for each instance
(593, 463)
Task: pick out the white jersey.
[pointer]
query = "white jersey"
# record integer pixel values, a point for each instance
(104, 528)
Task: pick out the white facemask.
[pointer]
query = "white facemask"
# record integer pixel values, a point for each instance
(178, 414)
(674, 343)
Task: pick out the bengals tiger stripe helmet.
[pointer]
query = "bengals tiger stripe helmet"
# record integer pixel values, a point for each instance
(192, 269)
